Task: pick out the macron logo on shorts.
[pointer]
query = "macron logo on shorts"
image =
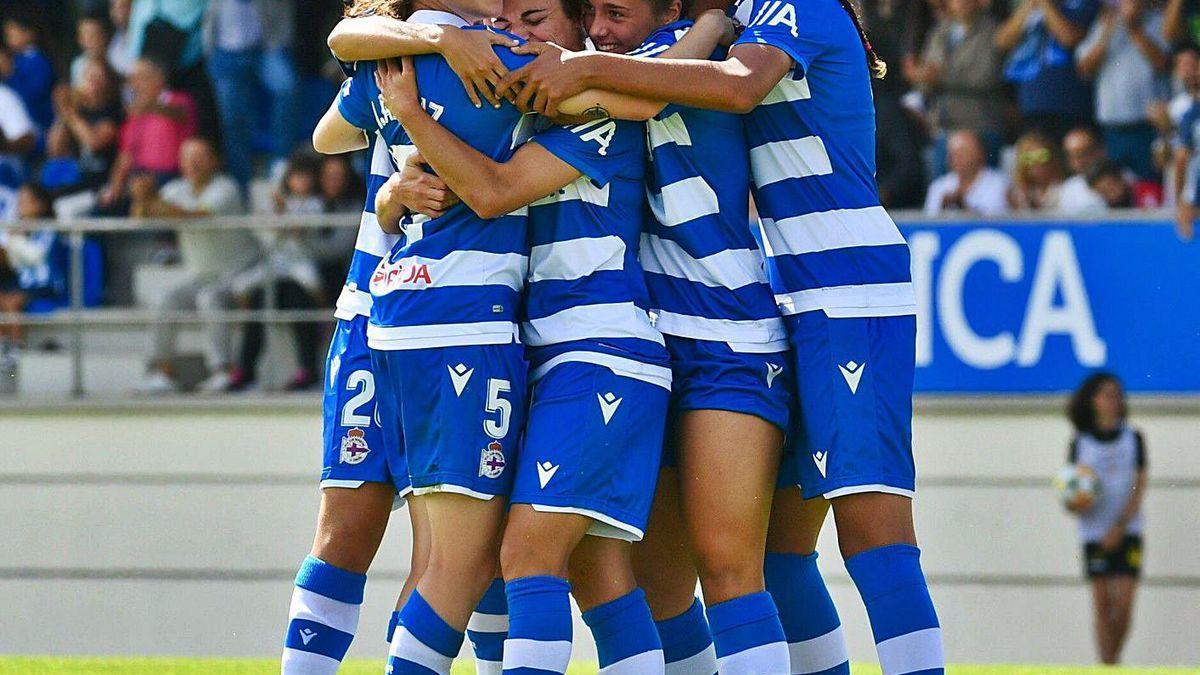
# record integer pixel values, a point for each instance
(853, 373)
(459, 376)
(821, 459)
(608, 405)
(773, 372)
(546, 471)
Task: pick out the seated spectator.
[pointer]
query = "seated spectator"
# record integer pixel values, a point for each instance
(93, 34)
(960, 71)
(60, 173)
(341, 188)
(33, 266)
(18, 137)
(342, 192)
(297, 281)
(1083, 151)
(210, 258)
(1038, 175)
(120, 53)
(27, 70)
(1108, 179)
(971, 186)
(157, 123)
(1040, 38)
(1126, 55)
(91, 113)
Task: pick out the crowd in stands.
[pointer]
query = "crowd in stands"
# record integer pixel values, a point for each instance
(178, 108)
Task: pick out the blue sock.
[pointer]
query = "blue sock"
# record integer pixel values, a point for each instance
(626, 640)
(539, 626)
(322, 618)
(748, 637)
(687, 643)
(488, 629)
(424, 643)
(810, 620)
(392, 624)
(908, 637)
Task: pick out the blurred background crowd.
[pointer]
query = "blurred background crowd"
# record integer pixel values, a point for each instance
(189, 108)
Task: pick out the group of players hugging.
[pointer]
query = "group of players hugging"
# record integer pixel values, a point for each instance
(567, 344)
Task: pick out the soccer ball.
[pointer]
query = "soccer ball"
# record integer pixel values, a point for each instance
(1077, 487)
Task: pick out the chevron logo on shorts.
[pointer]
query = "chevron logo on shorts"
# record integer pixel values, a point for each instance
(773, 372)
(460, 375)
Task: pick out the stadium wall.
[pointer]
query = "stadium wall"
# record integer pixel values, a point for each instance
(162, 528)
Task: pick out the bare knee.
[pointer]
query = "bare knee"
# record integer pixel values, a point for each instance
(346, 541)
(870, 520)
(795, 522)
(727, 569)
(600, 571)
(539, 544)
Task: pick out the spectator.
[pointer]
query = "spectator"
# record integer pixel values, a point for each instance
(1181, 23)
(93, 34)
(1038, 176)
(1185, 185)
(960, 69)
(1040, 38)
(158, 122)
(120, 52)
(27, 70)
(91, 113)
(1083, 151)
(341, 188)
(18, 137)
(1167, 116)
(60, 173)
(210, 258)
(1126, 55)
(342, 192)
(971, 186)
(1109, 181)
(32, 265)
(250, 45)
(296, 279)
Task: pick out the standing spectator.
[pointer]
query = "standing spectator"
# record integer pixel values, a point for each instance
(971, 186)
(1126, 55)
(93, 34)
(1083, 151)
(1040, 38)
(1120, 191)
(1110, 526)
(960, 70)
(18, 137)
(120, 52)
(91, 113)
(250, 43)
(1167, 116)
(210, 258)
(1185, 182)
(158, 122)
(1038, 175)
(27, 70)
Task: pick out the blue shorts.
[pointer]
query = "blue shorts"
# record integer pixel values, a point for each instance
(593, 446)
(357, 449)
(460, 410)
(709, 375)
(854, 384)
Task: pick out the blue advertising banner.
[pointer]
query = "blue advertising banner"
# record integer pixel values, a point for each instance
(1036, 306)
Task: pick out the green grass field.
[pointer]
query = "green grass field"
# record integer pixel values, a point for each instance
(156, 666)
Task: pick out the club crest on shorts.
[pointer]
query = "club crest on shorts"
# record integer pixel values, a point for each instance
(354, 447)
(491, 460)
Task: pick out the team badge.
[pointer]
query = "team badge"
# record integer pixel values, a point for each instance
(354, 447)
(491, 460)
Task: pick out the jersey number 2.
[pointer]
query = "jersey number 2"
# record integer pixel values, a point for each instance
(362, 381)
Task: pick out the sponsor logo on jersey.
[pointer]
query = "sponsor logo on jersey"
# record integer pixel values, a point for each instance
(608, 405)
(852, 372)
(460, 375)
(546, 471)
(491, 460)
(354, 447)
(402, 274)
(821, 459)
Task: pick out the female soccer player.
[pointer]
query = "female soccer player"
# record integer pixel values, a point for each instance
(592, 446)
(1111, 528)
(840, 273)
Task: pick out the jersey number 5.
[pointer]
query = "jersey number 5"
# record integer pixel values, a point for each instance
(496, 403)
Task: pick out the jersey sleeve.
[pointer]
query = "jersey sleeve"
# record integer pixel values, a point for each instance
(593, 148)
(788, 26)
(354, 98)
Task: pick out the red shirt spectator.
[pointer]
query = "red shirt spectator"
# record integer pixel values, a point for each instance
(152, 137)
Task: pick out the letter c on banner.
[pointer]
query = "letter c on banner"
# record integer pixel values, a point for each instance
(982, 352)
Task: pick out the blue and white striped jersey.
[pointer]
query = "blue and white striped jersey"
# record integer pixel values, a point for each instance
(372, 243)
(830, 244)
(704, 269)
(587, 295)
(456, 279)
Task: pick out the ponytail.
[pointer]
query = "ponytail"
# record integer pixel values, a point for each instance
(877, 65)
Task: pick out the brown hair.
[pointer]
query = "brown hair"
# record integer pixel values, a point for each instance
(396, 9)
(877, 65)
(1080, 410)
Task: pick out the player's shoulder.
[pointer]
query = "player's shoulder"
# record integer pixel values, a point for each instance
(663, 37)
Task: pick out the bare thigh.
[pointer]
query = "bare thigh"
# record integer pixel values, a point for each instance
(662, 561)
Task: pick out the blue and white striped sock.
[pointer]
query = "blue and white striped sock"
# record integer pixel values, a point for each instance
(423, 644)
(539, 626)
(626, 640)
(488, 629)
(908, 637)
(809, 617)
(748, 636)
(322, 619)
(687, 643)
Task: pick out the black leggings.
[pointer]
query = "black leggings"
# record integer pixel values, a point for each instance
(289, 295)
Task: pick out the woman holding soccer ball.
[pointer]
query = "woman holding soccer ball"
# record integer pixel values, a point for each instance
(1113, 454)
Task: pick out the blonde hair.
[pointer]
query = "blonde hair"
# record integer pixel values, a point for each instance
(396, 9)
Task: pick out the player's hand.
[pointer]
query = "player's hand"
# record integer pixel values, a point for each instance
(397, 82)
(542, 84)
(470, 54)
(1112, 538)
(412, 190)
